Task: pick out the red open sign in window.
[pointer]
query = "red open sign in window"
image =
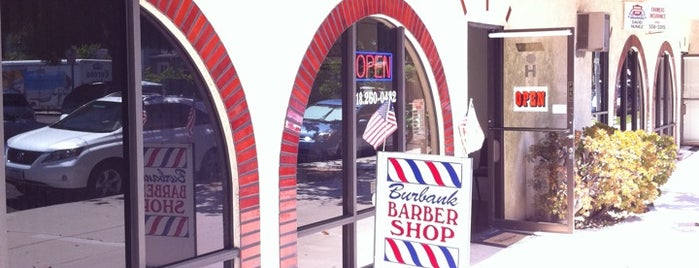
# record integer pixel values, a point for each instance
(373, 66)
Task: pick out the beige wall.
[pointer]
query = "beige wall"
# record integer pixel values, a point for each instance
(550, 14)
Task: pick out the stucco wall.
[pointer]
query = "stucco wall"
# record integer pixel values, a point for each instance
(266, 41)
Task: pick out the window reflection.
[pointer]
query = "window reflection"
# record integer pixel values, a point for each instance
(64, 79)
(664, 118)
(600, 73)
(629, 95)
(64, 180)
(178, 113)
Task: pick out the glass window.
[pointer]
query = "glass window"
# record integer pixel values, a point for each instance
(65, 168)
(180, 114)
(332, 185)
(663, 101)
(600, 74)
(629, 95)
(64, 178)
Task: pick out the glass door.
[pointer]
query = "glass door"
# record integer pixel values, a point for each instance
(690, 100)
(533, 130)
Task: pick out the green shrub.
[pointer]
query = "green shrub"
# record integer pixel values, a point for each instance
(620, 170)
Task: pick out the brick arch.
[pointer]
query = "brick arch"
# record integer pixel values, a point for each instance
(338, 20)
(190, 20)
(633, 43)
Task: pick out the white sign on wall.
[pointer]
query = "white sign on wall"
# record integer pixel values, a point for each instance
(645, 16)
(169, 199)
(423, 210)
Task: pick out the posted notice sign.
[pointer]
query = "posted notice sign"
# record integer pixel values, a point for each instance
(169, 199)
(423, 210)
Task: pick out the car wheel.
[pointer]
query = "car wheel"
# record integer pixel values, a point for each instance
(106, 179)
(210, 168)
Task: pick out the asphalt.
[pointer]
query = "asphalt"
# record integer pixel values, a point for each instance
(666, 236)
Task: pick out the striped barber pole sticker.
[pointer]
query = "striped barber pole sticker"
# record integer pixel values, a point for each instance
(165, 157)
(172, 226)
(424, 172)
(420, 254)
(169, 198)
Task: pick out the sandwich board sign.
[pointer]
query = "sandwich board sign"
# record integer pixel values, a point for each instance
(423, 210)
(169, 203)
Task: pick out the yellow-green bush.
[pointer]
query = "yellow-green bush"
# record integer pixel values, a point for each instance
(620, 170)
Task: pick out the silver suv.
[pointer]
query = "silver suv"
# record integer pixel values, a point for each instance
(83, 150)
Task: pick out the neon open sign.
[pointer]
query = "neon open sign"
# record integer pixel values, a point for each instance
(373, 66)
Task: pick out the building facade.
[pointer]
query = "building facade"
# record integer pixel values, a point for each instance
(280, 174)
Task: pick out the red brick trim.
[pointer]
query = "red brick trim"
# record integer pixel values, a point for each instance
(189, 19)
(339, 19)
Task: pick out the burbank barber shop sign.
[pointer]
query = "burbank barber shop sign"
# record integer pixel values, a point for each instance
(423, 211)
(169, 199)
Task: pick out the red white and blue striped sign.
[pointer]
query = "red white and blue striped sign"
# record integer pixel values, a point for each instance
(420, 254)
(172, 226)
(164, 157)
(424, 172)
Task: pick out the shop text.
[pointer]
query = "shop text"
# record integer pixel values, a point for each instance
(421, 214)
(424, 196)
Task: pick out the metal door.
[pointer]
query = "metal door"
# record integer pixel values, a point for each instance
(532, 130)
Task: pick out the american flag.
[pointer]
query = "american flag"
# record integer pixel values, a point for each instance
(145, 117)
(190, 121)
(381, 125)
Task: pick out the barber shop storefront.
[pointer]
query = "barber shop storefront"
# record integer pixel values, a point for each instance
(224, 134)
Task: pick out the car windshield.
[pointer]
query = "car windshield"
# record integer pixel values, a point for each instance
(97, 116)
(323, 113)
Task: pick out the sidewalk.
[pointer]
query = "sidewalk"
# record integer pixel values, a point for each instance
(666, 236)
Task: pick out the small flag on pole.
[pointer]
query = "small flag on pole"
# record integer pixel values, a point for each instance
(381, 125)
(472, 135)
(191, 116)
(145, 116)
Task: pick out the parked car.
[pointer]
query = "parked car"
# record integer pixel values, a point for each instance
(83, 150)
(85, 93)
(321, 131)
(18, 115)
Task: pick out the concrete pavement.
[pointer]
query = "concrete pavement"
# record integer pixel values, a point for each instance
(666, 236)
